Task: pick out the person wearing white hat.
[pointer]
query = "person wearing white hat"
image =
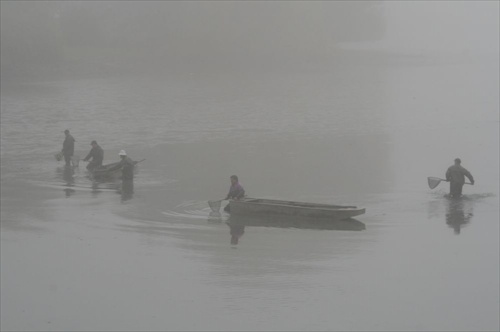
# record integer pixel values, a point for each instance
(127, 165)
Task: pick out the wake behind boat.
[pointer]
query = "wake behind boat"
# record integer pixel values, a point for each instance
(260, 206)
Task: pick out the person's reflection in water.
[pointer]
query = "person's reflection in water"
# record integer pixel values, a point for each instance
(236, 231)
(95, 188)
(127, 189)
(69, 192)
(458, 213)
(68, 177)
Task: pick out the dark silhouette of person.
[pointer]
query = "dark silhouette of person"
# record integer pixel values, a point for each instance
(97, 155)
(456, 175)
(236, 191)
(127, 165)
(68, 147)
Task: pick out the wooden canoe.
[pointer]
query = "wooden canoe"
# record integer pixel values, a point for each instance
(260, 206)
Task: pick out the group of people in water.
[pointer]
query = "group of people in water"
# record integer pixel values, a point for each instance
(455, 174)
(95, 157)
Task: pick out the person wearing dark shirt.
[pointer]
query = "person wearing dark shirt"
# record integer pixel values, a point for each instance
(456, 176)
(236, 191)
(68, 147)
(97, 155)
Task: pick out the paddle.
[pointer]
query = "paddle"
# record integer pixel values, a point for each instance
(433, 182)
(215, 205)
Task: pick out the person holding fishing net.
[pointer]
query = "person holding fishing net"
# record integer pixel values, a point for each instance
(236, 191)
(455, 175)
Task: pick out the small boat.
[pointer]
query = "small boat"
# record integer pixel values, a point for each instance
(260, 206)
(107, 171)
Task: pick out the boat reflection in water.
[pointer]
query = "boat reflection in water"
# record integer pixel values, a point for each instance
(349, 224)
(237, 224)
(459, 212)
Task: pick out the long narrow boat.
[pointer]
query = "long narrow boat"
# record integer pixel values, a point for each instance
(260, 206)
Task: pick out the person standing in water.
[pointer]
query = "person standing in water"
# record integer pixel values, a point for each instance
(127, 165)
(456, 176)
(68, 147)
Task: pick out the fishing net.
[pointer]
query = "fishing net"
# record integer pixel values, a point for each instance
(75, 160)
(214, 205)
(433, 182)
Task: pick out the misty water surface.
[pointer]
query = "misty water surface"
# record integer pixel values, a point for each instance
(366, 127)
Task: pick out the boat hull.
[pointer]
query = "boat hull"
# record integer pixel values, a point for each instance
(104, 172)
(255, 206)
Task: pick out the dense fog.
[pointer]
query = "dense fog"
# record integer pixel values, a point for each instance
(348, 106)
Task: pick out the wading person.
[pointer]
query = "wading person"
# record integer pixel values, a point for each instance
(236, 191)
(127, 165)
(456, 175)
(68, 147)
(97, 155)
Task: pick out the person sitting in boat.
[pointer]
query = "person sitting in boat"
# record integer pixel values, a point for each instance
(97, 155)
(236, 191)
(456, 175)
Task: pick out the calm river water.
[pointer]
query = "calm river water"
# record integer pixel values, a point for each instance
(75, 256)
